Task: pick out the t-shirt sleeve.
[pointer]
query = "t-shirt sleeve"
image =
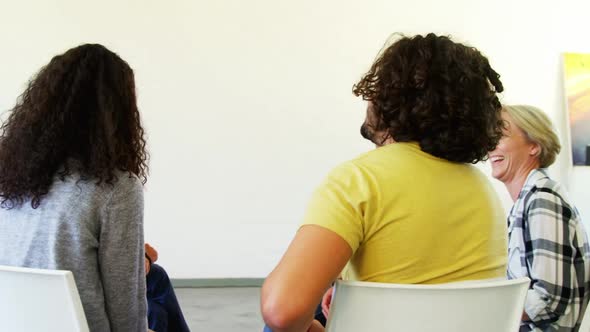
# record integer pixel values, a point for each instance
(338, 204)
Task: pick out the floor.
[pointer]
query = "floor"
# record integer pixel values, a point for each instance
(221, 309)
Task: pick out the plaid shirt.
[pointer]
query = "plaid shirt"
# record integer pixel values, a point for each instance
(548, 244)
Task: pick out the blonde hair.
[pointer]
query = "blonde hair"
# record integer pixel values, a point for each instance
(538, 129)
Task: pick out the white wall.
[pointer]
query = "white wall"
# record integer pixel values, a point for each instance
(248, 103)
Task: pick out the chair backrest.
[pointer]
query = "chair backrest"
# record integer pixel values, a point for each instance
(487, 306)
(585, 326)
(40, 300)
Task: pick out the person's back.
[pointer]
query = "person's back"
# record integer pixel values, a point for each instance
(421, 219)
(84, 227)
(413, 210)
(72, 166)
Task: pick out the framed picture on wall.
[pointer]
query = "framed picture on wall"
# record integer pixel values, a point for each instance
(577, 93)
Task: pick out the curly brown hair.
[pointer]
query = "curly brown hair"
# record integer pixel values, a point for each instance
(441, 94)
(77, 115)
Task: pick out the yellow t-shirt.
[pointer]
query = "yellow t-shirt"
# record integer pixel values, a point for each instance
(410, 217)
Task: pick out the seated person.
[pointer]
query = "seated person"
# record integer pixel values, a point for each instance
(72, 168)
(414, 210)
(164, 313)
(547, 239)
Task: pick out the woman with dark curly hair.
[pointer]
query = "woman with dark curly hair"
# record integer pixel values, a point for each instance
(414, 210)
(72, 165)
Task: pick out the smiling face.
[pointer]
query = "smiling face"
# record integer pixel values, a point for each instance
(515, 156)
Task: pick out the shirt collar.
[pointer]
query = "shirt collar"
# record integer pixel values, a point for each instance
(534, 176)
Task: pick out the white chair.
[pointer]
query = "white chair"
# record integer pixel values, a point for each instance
(487, 306)
(585, 326)
(39, 300)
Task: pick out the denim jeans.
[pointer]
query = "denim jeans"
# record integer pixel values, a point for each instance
(164, 313)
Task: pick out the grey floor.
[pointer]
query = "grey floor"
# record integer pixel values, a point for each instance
(221, 309)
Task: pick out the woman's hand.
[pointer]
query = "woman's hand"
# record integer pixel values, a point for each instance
(315, 327)
(151, 255)
(327, 301)
(151, 252)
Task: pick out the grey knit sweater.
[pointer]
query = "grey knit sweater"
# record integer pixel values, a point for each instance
(97, 233)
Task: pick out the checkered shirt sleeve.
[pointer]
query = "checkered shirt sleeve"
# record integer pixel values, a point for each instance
(555, 256)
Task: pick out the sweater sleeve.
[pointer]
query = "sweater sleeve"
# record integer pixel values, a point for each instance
(121, 257)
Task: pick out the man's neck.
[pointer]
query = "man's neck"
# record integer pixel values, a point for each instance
(387, 141)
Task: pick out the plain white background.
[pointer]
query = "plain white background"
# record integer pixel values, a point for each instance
(248, 104)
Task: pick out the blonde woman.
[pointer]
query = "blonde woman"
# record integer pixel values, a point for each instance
(547, 240)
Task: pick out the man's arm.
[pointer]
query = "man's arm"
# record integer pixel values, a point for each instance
(291, 292)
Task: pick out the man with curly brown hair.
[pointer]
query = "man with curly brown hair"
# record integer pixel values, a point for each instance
(414, 210)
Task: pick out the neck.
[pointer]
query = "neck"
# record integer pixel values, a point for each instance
(515, 184)
(387, 141)
(514, 187)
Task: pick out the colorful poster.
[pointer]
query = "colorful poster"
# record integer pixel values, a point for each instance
(577, 91)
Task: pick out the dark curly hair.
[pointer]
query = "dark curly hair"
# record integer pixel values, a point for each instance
(77, 115)
(441, 94)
